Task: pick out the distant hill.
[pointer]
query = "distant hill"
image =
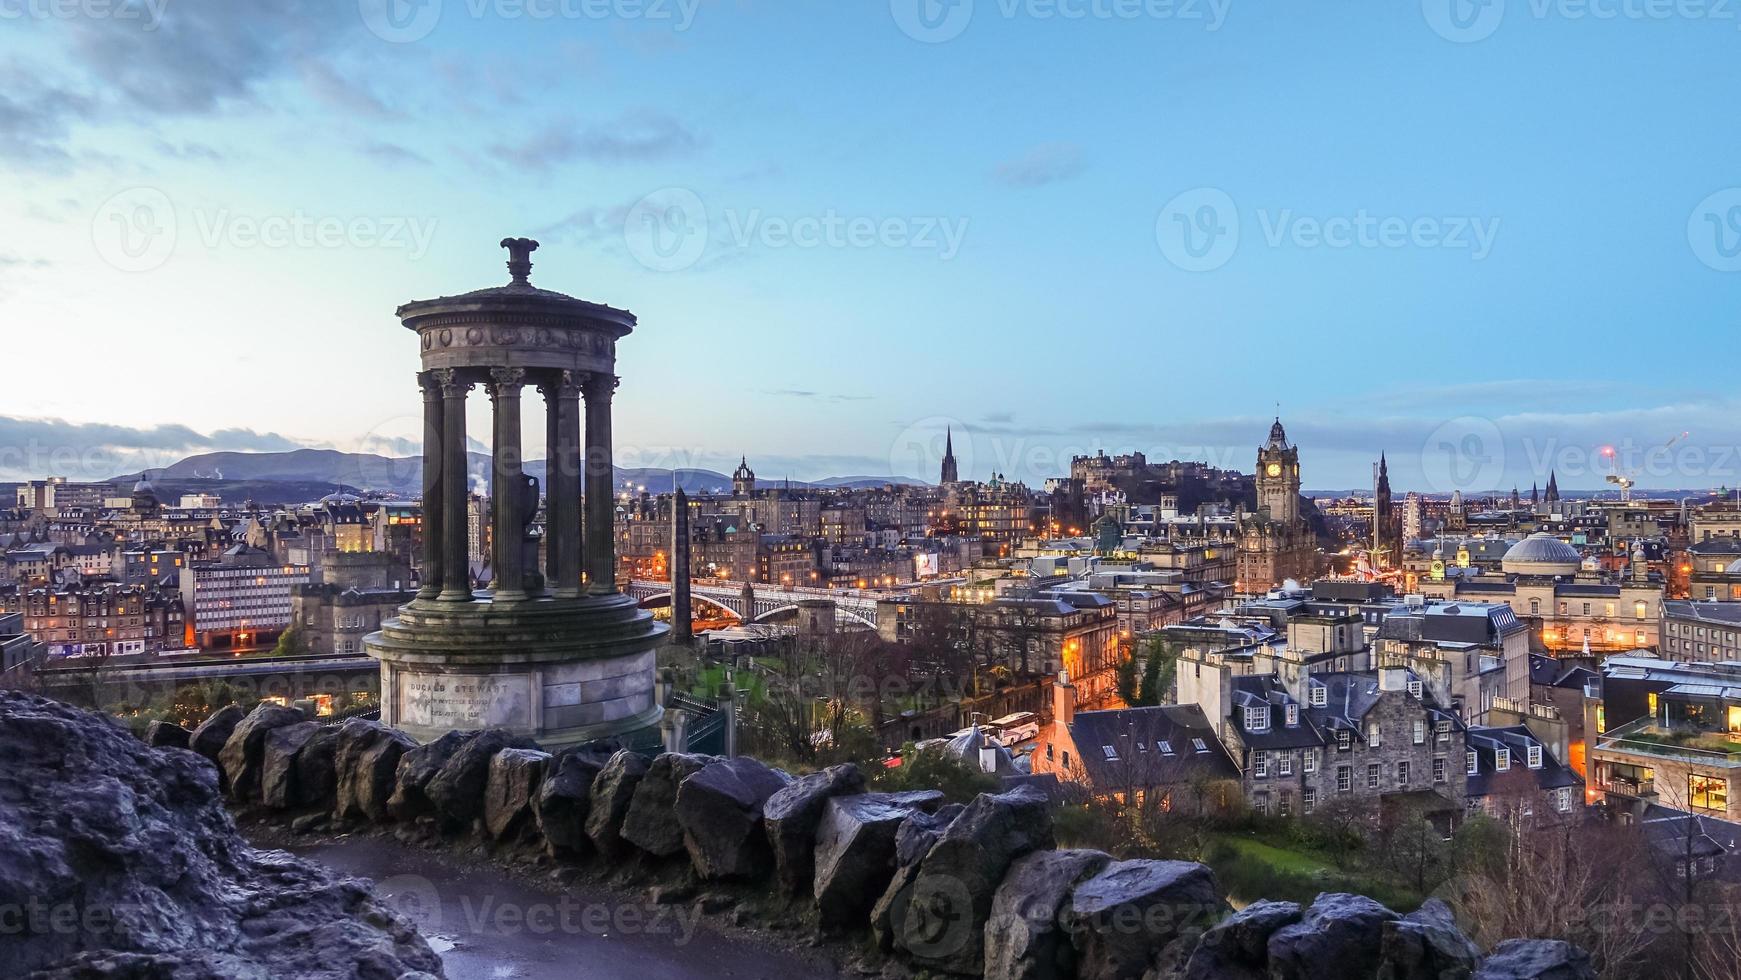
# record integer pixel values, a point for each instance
(263, 476)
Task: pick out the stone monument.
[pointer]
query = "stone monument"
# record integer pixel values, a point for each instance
(558, 654)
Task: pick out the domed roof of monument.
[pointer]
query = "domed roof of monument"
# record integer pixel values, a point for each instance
(1542, 554)
(519, 296)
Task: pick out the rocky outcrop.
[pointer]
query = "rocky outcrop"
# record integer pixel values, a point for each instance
(209, 736)
(565, 798)
(855, 851)
(612, 793)
(457, 788)
(139, 870)
(913, 841)
(365, 761)
(317, 773)
(951, 896)
(792, 815)
(1536, 959)
(515, 776)
(1427, 945)
(279, 786)
(1339, 936)
(1026, 937)
(167, 735)
(417, 767)
(720, 811)
(651, 823)
(244, 750)
(1132, 910)
(1237, 948)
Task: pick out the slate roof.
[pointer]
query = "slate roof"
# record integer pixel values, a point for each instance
(1486, 744)
(1151, 746)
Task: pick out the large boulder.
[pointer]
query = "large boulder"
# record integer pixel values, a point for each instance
(366, 760)
(1131, 910)
(317, 775)
(720, 811)
(515, 775)
(140, 872)
(1536, 959)
(279, 787)
(1237, 947)
(651, 823)
(791, 818)
(855, 851)
(167, 735)
(457, 788)
(209, 736)
(417, 767)
(792, 815)
(244, 750)
(1427, 945)
(612, 794)
(565, 796)
(912, 842)
(1339, 936)
(951, 896)
(1026, 937)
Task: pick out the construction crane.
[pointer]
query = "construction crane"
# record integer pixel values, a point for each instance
(1619, 479)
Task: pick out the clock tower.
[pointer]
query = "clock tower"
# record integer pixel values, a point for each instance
(1278, 477)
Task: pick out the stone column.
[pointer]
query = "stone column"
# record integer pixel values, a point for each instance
(508, 513)
(562, 485)
(433, 510)
(455, 486)
(601, 558)
(682, 625)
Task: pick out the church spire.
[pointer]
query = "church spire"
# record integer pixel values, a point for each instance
(951, 472)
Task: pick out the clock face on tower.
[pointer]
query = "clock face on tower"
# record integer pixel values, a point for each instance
(1274, 469)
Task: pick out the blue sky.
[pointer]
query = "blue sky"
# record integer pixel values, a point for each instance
(1486, 240)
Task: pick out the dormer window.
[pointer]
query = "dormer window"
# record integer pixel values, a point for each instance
(1415, 690)
(1502, 760)
(1257, 719)
(1534, 756)
(1474, 763)
(1320, 695)
(1292, 713)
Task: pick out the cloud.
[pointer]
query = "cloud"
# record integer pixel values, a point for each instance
(1045, 164)
(393, 154)
(638, 138)
(187, 151)
(816, 395)
(35, 447)
(589, 225)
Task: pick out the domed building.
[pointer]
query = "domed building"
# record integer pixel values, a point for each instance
(145, 502)
(1542, 554)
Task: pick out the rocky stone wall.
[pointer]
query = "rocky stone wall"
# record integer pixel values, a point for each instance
(975, 890)
(118, 860)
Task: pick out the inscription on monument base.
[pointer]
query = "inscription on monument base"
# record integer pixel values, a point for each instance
(466, 701)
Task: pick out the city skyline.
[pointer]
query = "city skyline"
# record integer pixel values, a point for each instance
(1410, 272)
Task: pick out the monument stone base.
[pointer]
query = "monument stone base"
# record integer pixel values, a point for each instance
(560, 671)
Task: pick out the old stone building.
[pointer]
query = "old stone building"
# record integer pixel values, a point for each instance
(1276, 544)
